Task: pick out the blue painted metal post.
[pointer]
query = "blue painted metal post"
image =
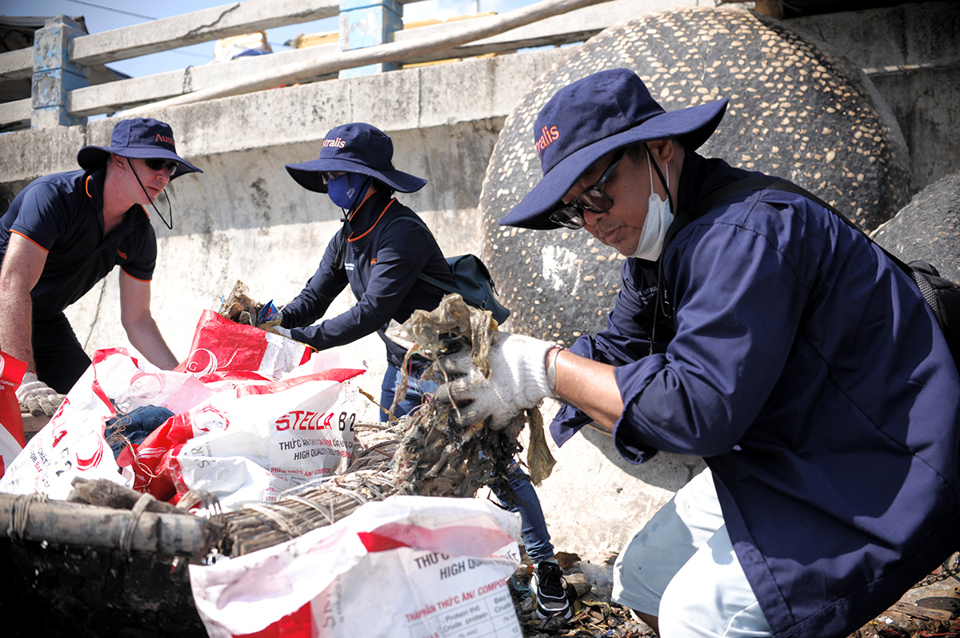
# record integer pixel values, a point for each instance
(54, 75)
(366, 23)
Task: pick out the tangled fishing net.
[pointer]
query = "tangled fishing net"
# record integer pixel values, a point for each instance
(429, 452)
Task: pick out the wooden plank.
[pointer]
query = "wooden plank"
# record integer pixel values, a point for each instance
(113, 96)
(69, 523)
(922, 612)
(561, 29)
(127, 94)
(291, 73)
(197, 27)
(32, 424)
(576, 26)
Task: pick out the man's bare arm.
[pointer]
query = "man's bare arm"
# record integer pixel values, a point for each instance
(139, 323)
(22, 266)
(588, 385)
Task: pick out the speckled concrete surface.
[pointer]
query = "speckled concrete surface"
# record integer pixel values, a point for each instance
(928, 228)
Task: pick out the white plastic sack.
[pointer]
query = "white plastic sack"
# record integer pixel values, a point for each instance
(409, 566)
(72, 443)
(262, 440)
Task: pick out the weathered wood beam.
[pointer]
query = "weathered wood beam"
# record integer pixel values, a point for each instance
(73, 524)
(197, 27)
(114, 96)
(291, 73)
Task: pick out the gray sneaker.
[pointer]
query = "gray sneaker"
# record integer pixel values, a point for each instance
(550, 591)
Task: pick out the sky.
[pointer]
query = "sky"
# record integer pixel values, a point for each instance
(105, 15)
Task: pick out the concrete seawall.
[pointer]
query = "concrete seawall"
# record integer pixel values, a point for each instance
(246, 219)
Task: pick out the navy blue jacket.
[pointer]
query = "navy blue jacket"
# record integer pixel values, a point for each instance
(382, 270)
(63, 214)
(807, 370)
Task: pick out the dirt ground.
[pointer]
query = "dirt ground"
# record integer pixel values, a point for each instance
(931, 609)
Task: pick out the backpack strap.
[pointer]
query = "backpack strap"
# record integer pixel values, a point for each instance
(423, 276)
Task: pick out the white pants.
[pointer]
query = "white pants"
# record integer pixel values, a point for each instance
(681, 567)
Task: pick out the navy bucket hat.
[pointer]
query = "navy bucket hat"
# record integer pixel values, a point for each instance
(591, 117)
(355, 148)
(138, 138)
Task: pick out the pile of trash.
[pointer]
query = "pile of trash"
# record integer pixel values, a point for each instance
(593, 615)
(244, 479)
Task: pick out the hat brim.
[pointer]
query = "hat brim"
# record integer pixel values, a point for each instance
(692, 126)
(93, 157)
(307, 174)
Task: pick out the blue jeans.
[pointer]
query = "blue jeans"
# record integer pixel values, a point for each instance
(533, 530)
(533, 527)
(418, 391)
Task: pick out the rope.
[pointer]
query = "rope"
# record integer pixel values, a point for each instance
(126, 536)
(21, 508)
(293, 523)
(316, 508)
(273, 516)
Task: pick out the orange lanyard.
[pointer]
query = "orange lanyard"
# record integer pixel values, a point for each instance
(352, 238)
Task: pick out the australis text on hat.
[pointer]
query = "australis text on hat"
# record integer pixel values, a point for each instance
(547, 136)
(338, 142)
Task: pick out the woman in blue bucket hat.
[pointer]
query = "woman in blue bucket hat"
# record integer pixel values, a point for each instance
(62, 234)
(380, 251)
(758, 330)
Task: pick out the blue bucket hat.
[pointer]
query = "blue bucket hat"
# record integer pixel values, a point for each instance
(355, 148)
(592, 117)
(138, 138)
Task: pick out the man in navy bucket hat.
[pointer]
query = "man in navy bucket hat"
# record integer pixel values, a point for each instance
(62, 234)
(756, 329)
(380, 252)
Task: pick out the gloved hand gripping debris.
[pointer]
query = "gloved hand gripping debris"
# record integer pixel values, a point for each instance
(36, 397)
(453, 450)
(517, 380)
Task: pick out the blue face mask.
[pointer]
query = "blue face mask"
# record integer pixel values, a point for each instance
(347, 189)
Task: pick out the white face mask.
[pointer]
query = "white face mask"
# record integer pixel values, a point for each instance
(659, 218)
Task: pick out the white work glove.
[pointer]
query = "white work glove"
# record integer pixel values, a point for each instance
(518, 380)
(36, 397)
(282, 331)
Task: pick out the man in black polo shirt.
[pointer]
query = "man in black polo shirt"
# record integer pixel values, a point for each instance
(62, 234)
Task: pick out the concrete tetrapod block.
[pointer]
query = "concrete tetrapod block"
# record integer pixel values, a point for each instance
(797, 110)
(928, 228)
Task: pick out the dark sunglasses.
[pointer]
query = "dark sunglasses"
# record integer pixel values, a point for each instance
(594, 199)
(329, 177)
(157, 164)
